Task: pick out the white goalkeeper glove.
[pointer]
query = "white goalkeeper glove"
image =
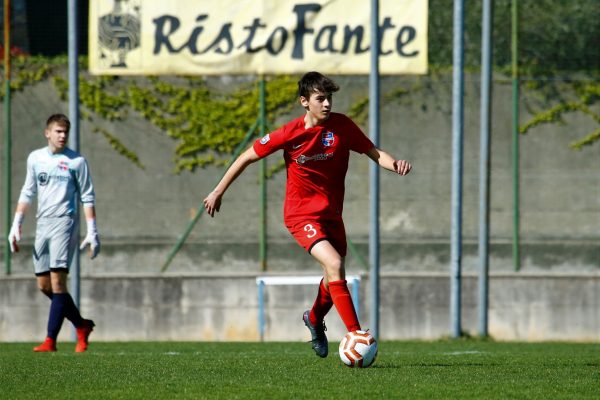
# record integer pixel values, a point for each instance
(14, 236)
(91, 239)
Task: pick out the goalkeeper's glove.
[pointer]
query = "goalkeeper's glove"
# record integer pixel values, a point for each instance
(14, 236)
(91, 239)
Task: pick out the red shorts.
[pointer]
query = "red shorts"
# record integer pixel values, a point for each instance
(310, 231)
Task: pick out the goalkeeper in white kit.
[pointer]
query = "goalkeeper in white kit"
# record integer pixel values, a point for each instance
(59, 177)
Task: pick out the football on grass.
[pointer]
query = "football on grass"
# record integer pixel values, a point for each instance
(358, 349)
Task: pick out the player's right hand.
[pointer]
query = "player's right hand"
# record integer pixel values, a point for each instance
(14, 237)
(212, 203)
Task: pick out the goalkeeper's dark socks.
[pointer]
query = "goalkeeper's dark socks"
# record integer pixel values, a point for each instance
(56, 317)
(323, 304)
(71, 312)
(343, 303)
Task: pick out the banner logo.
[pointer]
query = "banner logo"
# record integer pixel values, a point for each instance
(119, 33)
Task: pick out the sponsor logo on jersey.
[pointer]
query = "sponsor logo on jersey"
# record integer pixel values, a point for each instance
(265, 139)
(327, 138)
(317, 157)
(43, 178)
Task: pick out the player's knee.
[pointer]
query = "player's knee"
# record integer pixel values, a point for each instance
(58, 282)
(335, 268)
(45, 289)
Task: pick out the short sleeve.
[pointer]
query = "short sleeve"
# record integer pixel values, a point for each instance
(359, 143)
(270, 143)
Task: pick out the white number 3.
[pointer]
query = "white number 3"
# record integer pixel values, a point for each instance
(311, 231)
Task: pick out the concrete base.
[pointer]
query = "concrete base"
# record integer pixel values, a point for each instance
(531, 307)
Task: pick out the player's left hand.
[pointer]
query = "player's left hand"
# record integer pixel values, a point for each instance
(94, 242)
(402, 167)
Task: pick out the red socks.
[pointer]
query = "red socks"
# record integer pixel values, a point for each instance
(322, 305)
(339, 295)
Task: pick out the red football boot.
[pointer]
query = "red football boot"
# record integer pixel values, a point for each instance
(49, 345)
(83, 333)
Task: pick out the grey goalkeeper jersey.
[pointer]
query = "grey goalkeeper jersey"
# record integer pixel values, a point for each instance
(58, 180)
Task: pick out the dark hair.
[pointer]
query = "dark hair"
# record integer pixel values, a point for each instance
(59, 119)
(312, 81)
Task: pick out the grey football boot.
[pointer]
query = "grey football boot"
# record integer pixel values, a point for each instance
(319, 339)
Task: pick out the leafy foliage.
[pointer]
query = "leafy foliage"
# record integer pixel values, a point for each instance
(572, 97)
(553, 35)
(27, 70)
(587, 140)
(119, 147)
(206, 123)
(557, 38)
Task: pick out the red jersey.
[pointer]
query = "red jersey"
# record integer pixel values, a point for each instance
(316, 161)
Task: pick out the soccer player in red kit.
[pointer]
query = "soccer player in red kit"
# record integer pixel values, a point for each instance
(316, 149)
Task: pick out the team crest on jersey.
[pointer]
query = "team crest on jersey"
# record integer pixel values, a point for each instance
(265, 139)
(327, 138)
(63, 165)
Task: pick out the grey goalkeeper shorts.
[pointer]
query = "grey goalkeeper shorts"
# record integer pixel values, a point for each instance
(55, 244)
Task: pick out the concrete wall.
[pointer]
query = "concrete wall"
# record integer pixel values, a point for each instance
(224, 308)
(142, 213)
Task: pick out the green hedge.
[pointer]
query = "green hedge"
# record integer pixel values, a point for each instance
(554, 35)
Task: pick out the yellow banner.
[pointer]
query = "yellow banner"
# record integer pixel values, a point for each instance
(135, 37)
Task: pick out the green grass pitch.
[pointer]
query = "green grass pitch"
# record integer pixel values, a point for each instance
(449, 369)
